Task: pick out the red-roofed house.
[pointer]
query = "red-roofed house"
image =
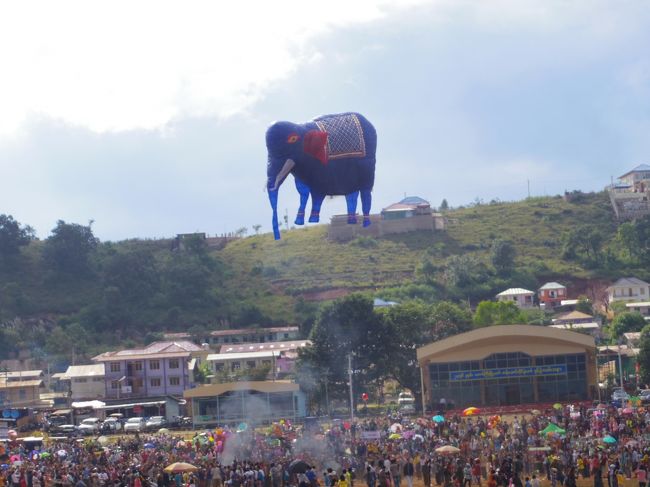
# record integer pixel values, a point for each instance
(552, 294)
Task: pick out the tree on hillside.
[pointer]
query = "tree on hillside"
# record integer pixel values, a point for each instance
(634, 237)
(346, 326)
(134, 272)
(449, 319)
(502, 256)
(461, 271)
(627, 322)
(644, 354)
(256, 228)
(583, 243)
(187, 283)
(69, 248)
(498, 313)
(444, 206)
(13, 236)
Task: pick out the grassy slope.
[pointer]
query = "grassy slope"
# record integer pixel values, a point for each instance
(305, 261)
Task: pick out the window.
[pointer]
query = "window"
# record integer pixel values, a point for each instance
(174, 381)
(80, 380)
(98, 379)
(266, 362)
(114, 384)
(218, 367)
(236, 366)
(137, 366)
(155, 382)
(173, 363)
(642, 290)
(115, 367)
(286, 335)
(250, 364)
(22, 394)
(154, 364)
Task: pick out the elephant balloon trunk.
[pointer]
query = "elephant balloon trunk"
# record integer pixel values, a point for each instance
(273, 198)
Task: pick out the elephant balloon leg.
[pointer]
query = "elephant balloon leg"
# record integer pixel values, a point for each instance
(366, 203)
(303, 189)
(316, 202)
(351, 200)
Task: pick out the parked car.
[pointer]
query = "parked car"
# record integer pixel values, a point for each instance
(65, 430)
(111, 425)
(405, 398)
(154, 423)
(134, 425)
(89, 426)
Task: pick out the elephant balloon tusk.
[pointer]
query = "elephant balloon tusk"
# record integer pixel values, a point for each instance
(286, 169)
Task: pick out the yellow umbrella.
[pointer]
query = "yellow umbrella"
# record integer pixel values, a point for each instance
(471, 411)
(395, 436)
(180, 467)
(447, 449)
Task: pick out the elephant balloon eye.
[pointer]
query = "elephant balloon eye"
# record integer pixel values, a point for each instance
(292, 138)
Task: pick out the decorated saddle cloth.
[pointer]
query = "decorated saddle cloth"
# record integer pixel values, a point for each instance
(344, 135)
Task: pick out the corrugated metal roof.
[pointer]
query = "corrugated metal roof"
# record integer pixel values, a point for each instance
(632, 305)
(513, 291)
(259, 347)
(163, 349)
(22, 374)
(639, 168)
(89, 370)
(221, 357)
(573, 315)
(552, 285)
(12, 384)
(629, 281)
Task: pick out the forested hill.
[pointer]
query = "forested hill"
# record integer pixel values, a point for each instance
(70, 290)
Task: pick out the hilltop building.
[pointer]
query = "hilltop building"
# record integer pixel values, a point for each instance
(217, 338)
(408, 215)
(551, 294)
(523, 298)
(630, 196)
(628, 289)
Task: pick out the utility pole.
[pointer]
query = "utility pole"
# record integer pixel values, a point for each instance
(351, 392)
(528, 182)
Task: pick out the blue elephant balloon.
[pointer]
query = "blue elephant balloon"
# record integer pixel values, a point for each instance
(330, 155)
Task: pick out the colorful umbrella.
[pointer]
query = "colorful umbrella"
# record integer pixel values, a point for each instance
(628, 411)
(395, 436)
(535, 412)
(552, 429)
(438, 419)
(180, 467)
(610, 440)
(447, 450)
(557, 405)
(471, 411)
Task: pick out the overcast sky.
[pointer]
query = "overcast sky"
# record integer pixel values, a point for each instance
(148, 117)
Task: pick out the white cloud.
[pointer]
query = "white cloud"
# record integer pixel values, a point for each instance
(121, 65)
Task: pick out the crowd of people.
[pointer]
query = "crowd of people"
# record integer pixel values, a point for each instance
(554, 446)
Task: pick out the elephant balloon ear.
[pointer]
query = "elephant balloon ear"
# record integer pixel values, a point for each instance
(315, 144)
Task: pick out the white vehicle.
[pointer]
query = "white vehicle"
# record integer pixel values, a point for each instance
(89, 426)
(405, 398)
(134, 425)
(112, 424)
(155, 423)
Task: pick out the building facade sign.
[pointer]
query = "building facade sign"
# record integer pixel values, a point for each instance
(508, 372)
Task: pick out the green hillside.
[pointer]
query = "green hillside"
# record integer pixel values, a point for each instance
(305, 262)
(72, 291)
